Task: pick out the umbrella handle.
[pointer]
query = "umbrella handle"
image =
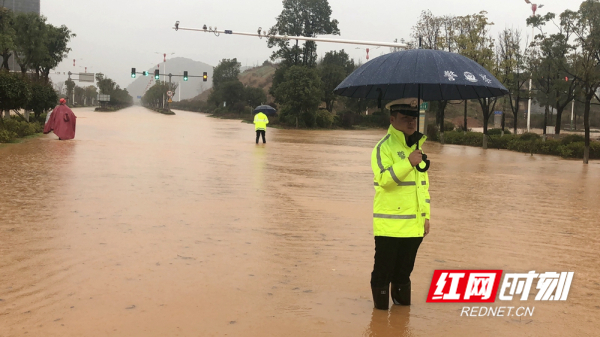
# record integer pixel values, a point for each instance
(427, 164)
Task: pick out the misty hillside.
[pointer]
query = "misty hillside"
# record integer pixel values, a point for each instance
(175, 66)
(258, 77)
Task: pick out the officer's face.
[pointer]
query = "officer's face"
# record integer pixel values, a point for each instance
(404, 123)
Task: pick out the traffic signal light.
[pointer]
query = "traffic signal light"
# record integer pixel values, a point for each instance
(145, 73)
(205, 76)
(132, 72)
(185, 75)
(156, 74)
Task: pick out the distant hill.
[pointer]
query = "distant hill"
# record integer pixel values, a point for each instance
(175, 66)
(259, 77)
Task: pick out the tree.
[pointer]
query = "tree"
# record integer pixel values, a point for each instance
(301, 18)
(7, 35)
(227, 70)
(551, 68)
(299, 95)
(585, 25)
(254, 96)
(333, 69)
(70, 84)
(91, 92)
(511, 59)
(429, 31)
(79, 95)
(29, 47)
(55, 41)
(473, 41)
(15, 92)
(43, 97)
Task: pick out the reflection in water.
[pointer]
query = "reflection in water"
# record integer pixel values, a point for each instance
(388, 323)
(154, 225)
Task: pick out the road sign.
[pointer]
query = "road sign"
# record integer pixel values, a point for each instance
(86, 77)
(103, 98)
(139, 97)
(170, 93)
(425, 106)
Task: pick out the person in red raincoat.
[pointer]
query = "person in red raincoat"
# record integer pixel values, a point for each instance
(62, 121)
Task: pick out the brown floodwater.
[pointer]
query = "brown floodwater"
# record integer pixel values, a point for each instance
(154, 225)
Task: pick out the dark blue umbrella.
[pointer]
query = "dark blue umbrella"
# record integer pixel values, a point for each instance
(266, 109)
(431, 75)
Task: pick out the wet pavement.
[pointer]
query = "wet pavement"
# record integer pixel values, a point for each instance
(155, 225)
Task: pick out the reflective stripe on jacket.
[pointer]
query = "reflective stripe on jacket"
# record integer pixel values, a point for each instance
(260, 121)
(401, 202)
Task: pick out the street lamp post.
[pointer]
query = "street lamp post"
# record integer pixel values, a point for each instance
(534, 7)
(165, 69)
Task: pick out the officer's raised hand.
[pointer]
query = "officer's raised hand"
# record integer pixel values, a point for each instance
(415, 157)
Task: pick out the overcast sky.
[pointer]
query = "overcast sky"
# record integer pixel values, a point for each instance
(114, 36)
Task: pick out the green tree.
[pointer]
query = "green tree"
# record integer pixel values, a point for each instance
(428, 29)
(512, 64)
(91, 92)
(30, 48)
(70, 84)
(473, 41)
(155, 96)
(254, 96)
(43, 97)
(585, 25)
(227, 70)
(301, 18)
(551, 66)
(15, 92)
(430, 32)
(333, 69)
(299, 95)
(79, 95)
(56, 46)
(7, 35)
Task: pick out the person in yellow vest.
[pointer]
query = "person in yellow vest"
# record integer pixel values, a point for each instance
(401, 207)
(260, 126)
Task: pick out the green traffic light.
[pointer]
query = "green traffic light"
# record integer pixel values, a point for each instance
(132, 75)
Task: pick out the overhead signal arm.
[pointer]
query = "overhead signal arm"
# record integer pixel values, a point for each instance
(260, 34)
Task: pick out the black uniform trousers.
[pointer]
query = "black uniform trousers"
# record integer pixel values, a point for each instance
(394, 260)
(258, 133)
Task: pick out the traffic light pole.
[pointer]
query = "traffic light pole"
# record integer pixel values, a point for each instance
(260, 34)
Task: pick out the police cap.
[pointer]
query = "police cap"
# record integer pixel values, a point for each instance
(405, 106)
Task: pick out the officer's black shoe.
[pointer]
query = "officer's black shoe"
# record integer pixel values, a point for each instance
(381, 297)
(401, 293)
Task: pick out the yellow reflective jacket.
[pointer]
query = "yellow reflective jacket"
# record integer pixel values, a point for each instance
(402, 201)
(260, 121)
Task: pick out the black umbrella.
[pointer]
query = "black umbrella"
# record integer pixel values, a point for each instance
(266, 109)
(430, 75)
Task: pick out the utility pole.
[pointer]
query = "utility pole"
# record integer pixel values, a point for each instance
(534, 7)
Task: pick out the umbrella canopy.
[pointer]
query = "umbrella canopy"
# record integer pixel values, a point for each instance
(437, 75)
(266, 109)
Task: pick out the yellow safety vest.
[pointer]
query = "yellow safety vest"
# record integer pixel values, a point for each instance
(260, 121)
(402, 201)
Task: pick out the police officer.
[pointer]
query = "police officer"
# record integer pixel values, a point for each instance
(401, 206)
(260, 125)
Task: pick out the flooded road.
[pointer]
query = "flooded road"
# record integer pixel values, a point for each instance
(154, 225)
